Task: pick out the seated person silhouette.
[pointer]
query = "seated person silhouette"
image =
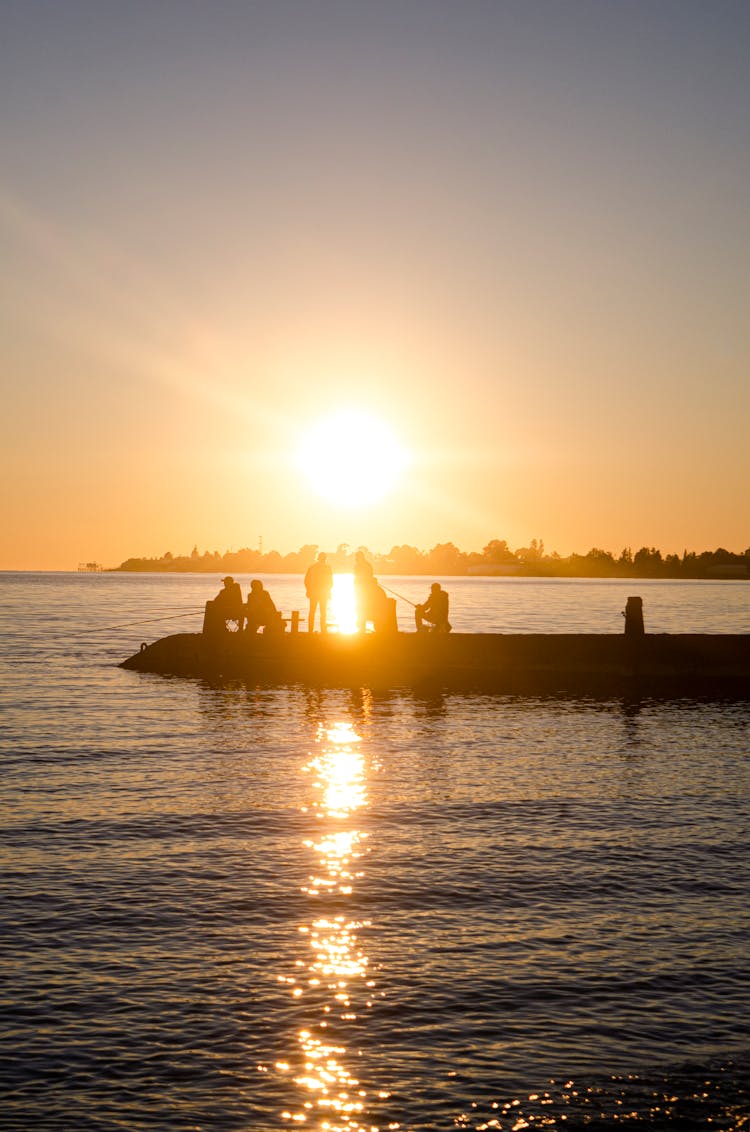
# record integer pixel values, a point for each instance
(434, 610)
(227, 604)
(260, 611)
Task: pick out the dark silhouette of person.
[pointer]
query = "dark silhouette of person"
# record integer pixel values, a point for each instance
(434, 610)
(228, 602)
(378, 607)
(260, 611)
(318, 586)
(364, 583)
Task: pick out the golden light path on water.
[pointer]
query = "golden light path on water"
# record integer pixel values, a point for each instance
(333, 976)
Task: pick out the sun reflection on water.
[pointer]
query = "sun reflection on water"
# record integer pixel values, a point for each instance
(332, 983)
(339, 774)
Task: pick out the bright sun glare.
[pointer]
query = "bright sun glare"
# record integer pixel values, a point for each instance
(351, 458)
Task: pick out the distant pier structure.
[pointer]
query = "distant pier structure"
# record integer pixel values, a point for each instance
(90, 568)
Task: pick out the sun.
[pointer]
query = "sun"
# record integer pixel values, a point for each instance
(351, 458)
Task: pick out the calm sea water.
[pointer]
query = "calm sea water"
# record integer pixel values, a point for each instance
(229, 907)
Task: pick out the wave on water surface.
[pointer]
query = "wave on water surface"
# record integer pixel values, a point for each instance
(230, 908)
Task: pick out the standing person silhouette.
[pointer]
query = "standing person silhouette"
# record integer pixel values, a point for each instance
(318, 586)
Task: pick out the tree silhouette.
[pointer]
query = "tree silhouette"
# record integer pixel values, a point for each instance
(445, 558)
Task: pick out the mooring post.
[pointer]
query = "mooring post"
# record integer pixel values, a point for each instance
(294, 624)
(634, 617)
(635, 636)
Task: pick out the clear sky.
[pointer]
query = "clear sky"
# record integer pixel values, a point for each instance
(515, 232)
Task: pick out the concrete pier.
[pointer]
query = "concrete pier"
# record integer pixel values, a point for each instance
(686, 664)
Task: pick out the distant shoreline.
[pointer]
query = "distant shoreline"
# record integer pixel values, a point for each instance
(445, 559)
(717, 574)
(496, 560)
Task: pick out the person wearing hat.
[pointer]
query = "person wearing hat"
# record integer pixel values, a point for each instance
(434, 610)
(228, 602)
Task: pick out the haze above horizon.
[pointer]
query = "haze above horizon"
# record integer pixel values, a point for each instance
(505, 246)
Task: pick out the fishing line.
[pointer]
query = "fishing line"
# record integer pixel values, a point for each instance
(406, 599)
(147, 621)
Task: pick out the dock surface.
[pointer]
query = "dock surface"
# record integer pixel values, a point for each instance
(598, 664)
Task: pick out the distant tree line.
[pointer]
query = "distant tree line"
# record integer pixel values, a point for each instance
(446, 559)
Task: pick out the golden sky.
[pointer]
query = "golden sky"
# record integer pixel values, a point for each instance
(517, 234)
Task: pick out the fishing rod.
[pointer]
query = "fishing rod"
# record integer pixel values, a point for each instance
(408, 600)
